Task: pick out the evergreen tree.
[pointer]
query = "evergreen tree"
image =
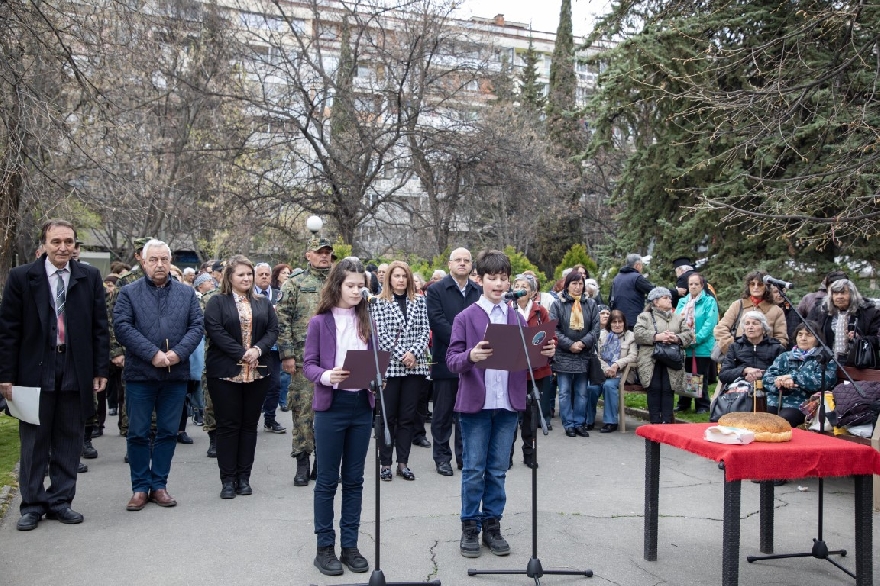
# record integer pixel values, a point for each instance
(747, 127)
(531, 92)
(562, 124)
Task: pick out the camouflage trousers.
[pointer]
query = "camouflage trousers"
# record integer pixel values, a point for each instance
(299, 401)
(209, 423)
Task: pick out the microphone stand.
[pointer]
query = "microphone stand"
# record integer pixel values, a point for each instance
(533, 569)
(380, 423)
(820, 549)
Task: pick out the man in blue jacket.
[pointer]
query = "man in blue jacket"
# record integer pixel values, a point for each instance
(159, 322)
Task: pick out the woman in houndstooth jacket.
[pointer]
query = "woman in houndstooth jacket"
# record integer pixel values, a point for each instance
(401, 318)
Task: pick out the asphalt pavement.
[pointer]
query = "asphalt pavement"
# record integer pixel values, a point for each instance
(590, 512)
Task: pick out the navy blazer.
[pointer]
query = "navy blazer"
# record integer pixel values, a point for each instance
(223, 327)
(28, 329)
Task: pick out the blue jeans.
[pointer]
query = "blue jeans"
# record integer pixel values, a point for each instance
(150, 468)
(611, 392)
(282, 392)
(593, 392)
(486, 438)
(342, 438)
(572, 398)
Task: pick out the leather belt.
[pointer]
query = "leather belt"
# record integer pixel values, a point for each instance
(61, 348)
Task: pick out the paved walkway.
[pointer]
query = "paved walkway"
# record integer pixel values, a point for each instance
(590, 515)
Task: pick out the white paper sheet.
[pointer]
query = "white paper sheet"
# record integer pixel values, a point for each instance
(721, 434)
(25, 404)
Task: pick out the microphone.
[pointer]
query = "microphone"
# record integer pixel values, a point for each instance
(768, 280)
(514, 295)
(365, 294)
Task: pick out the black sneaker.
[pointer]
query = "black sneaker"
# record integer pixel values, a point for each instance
(273, 426)
(492, 537)
(327, 562)
(469, 546)
(88, 451)
(352, 558)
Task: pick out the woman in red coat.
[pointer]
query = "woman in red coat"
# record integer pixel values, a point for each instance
(534, 314)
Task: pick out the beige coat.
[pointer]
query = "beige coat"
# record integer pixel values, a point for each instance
(644, 335)
(774, 315)
(628, 351)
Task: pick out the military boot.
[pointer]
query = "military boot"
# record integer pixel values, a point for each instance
(212, 446)
(302, 470)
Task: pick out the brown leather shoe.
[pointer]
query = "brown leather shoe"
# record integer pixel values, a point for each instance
(138, 501)
(161, 497)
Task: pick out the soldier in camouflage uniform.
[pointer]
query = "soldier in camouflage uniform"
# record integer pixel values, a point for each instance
(299, 299)
(209, 424)
(117, 351)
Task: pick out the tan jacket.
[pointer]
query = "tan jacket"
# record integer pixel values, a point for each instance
(644, 334)
(774, 315)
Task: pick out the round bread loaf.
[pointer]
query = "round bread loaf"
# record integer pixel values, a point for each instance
(766, 426)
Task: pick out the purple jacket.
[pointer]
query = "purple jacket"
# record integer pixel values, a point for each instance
(468, 329)
(320, 355)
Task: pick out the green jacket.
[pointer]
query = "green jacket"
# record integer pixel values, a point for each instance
(299, 300)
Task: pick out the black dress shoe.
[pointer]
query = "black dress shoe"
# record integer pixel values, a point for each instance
(81, 468)
(570, 432)
(583, 431)
(422, 442)
(460, 465)
(591, 426)
(608, 428)
(67, 516)
(28, 521)
(444, 469)
(702, 410)
(98, 432)
(530, 463)
(183, 438)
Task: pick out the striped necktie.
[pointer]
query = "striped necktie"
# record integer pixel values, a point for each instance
(60, 297)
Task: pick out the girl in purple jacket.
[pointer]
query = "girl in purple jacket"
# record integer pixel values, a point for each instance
(343, 415)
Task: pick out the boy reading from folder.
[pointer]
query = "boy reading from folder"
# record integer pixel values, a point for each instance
(487, 405)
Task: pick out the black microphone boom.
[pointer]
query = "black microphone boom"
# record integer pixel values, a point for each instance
(514, 295)
(768, 280)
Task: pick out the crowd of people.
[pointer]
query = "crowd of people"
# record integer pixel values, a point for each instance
(233, 341)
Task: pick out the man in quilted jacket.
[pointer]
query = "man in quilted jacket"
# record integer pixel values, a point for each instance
(159, 322)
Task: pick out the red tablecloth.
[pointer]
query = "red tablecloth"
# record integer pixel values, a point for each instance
(807, 454)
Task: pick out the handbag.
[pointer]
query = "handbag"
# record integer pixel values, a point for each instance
(668, 355)
(693, 382)
(717, 355)
(737, 397)
(862, 353)
(594, 370)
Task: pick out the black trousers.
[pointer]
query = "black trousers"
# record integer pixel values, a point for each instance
(422, 411)
(60, 434)
(402, 395)
(237, 410)
(660, 396)
(273, 394)
(445, 418)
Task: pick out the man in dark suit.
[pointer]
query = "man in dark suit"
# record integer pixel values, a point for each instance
(53, 335)
(445, 299)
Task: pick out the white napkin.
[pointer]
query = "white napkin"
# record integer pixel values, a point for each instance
(721, 434)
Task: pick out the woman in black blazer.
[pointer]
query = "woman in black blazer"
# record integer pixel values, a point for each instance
(241, 328)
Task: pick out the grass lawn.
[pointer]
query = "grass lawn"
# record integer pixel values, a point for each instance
(9, 450)
(640, 401)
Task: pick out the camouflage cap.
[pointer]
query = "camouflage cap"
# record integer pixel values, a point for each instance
(140, 242)
(316, 244)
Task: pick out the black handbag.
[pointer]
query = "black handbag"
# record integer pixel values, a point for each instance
(737, 397)
(862, 353)
(595, 372)
(669, 355)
